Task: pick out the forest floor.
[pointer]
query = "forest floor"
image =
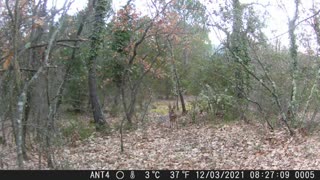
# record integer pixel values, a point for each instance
(202, 145)
(228, 146)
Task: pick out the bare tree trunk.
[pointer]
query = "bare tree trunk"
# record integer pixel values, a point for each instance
(95, 105)
(177, 80)
(22, 99)
(180, 94)
(126, 107)
(132, 106)
(177, 101)
(24, 128)
(167, 90)
(69, 66)
(4, 107)
(121, 135)
(17, 122)
(48, 124)
(34, 63)
(146, 106)
(2, 137)
(18, 125)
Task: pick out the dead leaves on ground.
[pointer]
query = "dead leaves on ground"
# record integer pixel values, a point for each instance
(229, 146)
(232, 146)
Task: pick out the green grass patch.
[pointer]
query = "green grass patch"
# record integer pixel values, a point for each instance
(161, 108)
(76, 126)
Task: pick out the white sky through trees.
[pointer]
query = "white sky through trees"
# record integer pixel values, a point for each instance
(277, 12)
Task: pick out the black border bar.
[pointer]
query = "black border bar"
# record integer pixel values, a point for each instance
(160, 174)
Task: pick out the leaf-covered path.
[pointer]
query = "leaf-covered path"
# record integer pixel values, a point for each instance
(228, 146)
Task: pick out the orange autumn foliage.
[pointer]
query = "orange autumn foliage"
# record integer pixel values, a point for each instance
(7, 61)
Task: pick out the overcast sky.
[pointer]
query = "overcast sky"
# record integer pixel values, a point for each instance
(277, 21)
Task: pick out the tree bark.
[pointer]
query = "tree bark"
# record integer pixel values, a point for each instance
(22, 98)
(294, 55)
(239, 47)
(96, 40)
(16, 118)
(177, 81)
(95, 105)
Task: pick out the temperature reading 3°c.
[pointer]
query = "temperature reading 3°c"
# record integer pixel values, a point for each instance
(155, 174)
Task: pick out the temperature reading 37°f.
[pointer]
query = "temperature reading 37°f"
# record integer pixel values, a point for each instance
(152, 174)
(179, 174)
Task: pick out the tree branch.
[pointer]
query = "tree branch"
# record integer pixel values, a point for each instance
(312, 16)
(59, 42)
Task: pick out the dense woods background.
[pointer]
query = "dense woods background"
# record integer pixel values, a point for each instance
(145, 87)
